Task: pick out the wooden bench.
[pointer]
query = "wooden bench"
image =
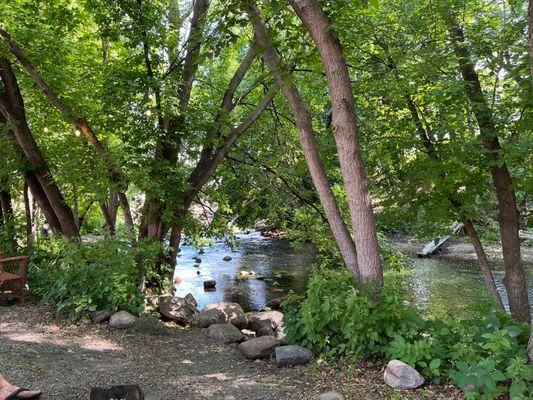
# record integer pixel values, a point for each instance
(13, 277)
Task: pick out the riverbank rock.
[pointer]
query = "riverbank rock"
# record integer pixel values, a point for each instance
(210, 285)
(248, 333)
(330, 396)
(275, 304)
(227, 258)
(280, 333)
(225, 333)
(178, 309)
(261, 347)
(100, 316)
(266, 318)
(150, 325)
(222, 313)
(265, 331)
(122, 320)
(292, 355)
(399, 375)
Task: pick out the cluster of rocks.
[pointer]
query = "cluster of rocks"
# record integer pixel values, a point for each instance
(258, 335)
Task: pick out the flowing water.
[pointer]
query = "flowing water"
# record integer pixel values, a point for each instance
(262, 269)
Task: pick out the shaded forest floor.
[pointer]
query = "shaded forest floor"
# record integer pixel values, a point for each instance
(65, 360)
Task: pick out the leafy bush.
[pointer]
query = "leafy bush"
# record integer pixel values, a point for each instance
(82, 277)
(485, 355)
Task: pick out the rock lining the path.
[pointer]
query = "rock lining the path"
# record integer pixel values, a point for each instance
(330, 396)
(399, 375)
(122, 320)
(178, 309)
(290, 355)
(225, 333)
(259, 348)
(223, 313)
(100, 316)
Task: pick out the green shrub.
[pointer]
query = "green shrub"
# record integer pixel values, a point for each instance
(82, 277)
(485, 355)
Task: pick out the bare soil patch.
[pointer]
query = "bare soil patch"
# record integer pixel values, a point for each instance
(65, 360)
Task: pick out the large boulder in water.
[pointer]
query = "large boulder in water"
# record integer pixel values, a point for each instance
(261, 347)
(399, 375)
(222, 313)
(178, 309)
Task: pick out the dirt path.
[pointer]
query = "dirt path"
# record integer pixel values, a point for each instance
(65, 361)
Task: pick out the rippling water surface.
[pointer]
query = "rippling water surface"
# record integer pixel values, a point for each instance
(262, 269)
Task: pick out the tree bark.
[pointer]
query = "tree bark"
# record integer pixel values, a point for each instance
(346, 137)
(12, 107)
(28, 215)
(304, 125)
(8, 217)
(530, 34)
(508, 218)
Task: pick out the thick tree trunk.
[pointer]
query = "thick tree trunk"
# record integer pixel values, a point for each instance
(346, 137)
(508, 218)
(304, 125)
(12, 107)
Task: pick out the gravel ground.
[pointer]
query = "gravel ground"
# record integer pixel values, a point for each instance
(66, 360)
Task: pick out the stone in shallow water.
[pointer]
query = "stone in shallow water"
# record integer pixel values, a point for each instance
(292, 355)
(210, 284)
(227, 258)
(330, 396)
(259, 348)
(225, 333)
(122, 320)
(399, 375)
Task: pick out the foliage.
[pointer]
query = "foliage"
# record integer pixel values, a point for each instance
(485, 355)
(81, 277)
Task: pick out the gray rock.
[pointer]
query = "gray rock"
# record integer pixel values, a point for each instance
(210, 284)
(292, 355)
(265, 331)
(178, 309)
(275, 304)
(227, 258)
(330, 396)
(268, 318)
(150, 325)
(223, 313)
(122, 320)
(399, 375)
(100, 316)
(189, 298)
(261, 347)
(225, 333)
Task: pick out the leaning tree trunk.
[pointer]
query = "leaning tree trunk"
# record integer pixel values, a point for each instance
(12, 107)
(346, 137)
(530, 34)
(508, 218)
(304, 125)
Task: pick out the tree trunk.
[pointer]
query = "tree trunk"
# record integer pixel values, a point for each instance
(28, 215)
(530, 34)
(8, 219)
(346, 137)
(508, 218)
(12, 107)
(304, 125)
(483, 261)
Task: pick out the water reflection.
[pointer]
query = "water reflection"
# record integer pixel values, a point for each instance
(260, 270)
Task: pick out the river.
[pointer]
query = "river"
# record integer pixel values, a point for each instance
(262, 269)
